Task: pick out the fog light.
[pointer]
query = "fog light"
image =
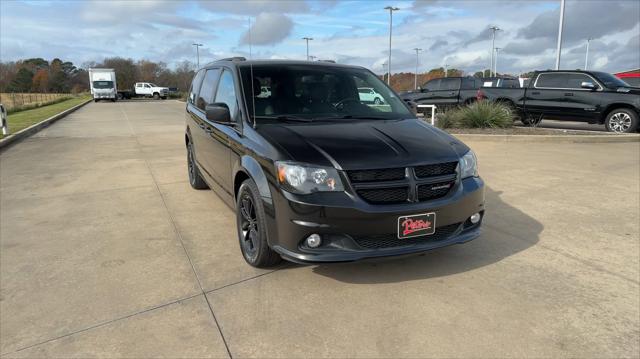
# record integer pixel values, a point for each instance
(475, 218)
(314, 240)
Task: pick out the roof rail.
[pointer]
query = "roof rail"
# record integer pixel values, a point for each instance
(235, 58)
(331, 61)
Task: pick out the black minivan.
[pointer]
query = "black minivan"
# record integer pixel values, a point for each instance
(316, 173)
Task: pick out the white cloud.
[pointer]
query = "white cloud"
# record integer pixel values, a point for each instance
(268, 29)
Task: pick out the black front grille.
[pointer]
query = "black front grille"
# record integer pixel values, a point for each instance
(376, 175)
(439, 169)
(400, 185)
(391, 240)
(385, 195)
(428, 192)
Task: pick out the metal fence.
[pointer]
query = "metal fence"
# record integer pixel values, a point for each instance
(12, 100)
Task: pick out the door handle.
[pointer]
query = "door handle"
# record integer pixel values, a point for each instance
(568, 93)
(535, 92)
(201, 125)
(208, 129)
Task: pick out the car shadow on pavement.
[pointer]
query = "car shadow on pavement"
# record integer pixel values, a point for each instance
(506, 231)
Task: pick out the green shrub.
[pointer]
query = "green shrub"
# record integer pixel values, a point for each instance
(448, 119)
(485, 114)
(482, 114)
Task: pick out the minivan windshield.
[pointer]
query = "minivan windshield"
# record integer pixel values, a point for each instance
(609, 80)
(315, 92)
(102, 84)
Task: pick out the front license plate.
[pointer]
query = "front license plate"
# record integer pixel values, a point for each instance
(416, 225)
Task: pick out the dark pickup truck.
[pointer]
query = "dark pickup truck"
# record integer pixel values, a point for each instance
(591, 96)
(445, 92)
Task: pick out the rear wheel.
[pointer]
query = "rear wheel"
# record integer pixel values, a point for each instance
(252, 232)
(195, 178)
(621, 120)
(377, 101)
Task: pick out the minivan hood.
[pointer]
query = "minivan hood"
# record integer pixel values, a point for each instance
(364, 144)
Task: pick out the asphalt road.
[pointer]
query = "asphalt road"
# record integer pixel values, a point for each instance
(106, 251)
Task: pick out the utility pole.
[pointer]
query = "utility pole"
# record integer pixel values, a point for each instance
(495, 66)
(415, 78)
(446, 70)
(307, 39)
(559, 49)
(197, 54)
(391, 10)
(493, 45)
(586, 56)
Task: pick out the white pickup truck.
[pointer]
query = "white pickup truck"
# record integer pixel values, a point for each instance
(145, 89)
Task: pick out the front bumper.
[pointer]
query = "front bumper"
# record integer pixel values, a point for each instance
(352, 229)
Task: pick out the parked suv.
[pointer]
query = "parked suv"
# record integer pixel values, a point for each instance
(314, 174)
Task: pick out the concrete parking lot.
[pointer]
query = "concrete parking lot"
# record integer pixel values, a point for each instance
(106, 251)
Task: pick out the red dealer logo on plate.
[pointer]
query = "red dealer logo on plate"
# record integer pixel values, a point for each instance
(416, 225)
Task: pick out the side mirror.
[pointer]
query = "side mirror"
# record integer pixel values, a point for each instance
(588, 85)
(218, 112)
(423, 90)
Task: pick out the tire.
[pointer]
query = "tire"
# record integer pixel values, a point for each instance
(512, 111)
(156, 96)
(95, 100)
(120, 96)
(621, 120)
(195, 178)
(251, 224)
(528, 120)
(377, 101)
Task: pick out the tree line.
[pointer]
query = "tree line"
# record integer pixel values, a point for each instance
(40, 76)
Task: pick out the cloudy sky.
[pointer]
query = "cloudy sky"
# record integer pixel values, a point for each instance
(354, 32)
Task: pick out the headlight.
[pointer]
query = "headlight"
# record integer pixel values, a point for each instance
(469, 165)
(303, 179)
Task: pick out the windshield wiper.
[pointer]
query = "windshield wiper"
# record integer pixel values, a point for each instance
(285, 118)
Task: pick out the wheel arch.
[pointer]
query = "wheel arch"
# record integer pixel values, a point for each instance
(615, 106)
(249, 168)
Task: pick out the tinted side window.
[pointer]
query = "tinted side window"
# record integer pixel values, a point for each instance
(450, 84)
(575, 81)
(227, 93)
(432, 85)
(552, 80)
(205, 96)
(195, 86)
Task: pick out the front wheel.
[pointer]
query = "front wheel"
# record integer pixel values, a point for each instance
(621, 120)
(252, 232)
(156, 96)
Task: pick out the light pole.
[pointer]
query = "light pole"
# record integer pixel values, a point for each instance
(446, 70)
(559, 49)
(495, 65)
(493, 45)
(391, 10)
(197, 54)
(415, 78)
(586, 56)
(307, 39)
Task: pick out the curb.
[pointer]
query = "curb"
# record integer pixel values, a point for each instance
(551, 138)
(26, 132)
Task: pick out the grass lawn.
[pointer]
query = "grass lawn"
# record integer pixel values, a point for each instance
(24, 119)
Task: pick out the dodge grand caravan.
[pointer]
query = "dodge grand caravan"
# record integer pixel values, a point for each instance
(315, 174)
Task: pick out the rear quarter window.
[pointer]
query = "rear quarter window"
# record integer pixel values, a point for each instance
(195, 87)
